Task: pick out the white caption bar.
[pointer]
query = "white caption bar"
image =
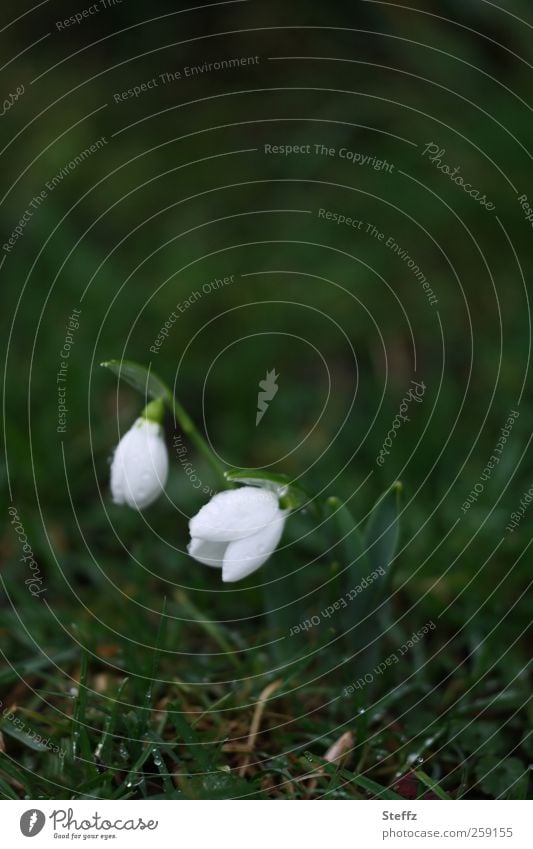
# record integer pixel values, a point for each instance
(236, 824)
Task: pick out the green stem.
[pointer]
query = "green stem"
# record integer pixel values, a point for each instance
(191, 431)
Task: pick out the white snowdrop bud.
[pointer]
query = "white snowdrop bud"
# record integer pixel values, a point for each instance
(237, 531)
(139, 468)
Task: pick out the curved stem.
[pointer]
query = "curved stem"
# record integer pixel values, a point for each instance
(189, 429)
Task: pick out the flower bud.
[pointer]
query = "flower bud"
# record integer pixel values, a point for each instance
(139, 468)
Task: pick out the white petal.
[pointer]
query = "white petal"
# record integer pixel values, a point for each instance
(139, 468)
(244, 556)
(234, 514)
(209, 553)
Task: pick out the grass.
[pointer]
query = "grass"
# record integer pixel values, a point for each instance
(423, 729)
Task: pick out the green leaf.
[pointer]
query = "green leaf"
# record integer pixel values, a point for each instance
(28, 668)
(158, 759)
(219, 785)
(375, 789)
(201, 750)
(8, 791)
(364, 564)
(144, 380)
(291, 495)
(257, 477)
(156, 658)
(23, 736)
(360, 625)
(431, 784)
(383, 529)
(104, 748)
(135, 777)
(349, 542)
(18, 774)
(81, 747)
(355, 569)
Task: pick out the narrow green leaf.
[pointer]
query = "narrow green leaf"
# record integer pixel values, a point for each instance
(349, 542)
(367, 784)
(135, 776)
(23, 736)
(431, 784)
(145, 381)
(258, 476)
(160, 764)
(292, 495)
(8, 791)
(374, 788)
(18, 774)
(159, 645)
(213, 707)
(78, 720)
(356, 589)
(383, 529)
(81, 746)
(104, 749)
(30, 667)
(201, 752)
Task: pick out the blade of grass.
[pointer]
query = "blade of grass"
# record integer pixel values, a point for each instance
(211, 628)
(383, 530)
(35, 665)
(431, 784)
(81, 747)
(197, 748)
(103, 750)
(159, 644)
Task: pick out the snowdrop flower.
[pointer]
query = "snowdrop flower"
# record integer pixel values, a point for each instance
(237, 531)
(139, 468)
